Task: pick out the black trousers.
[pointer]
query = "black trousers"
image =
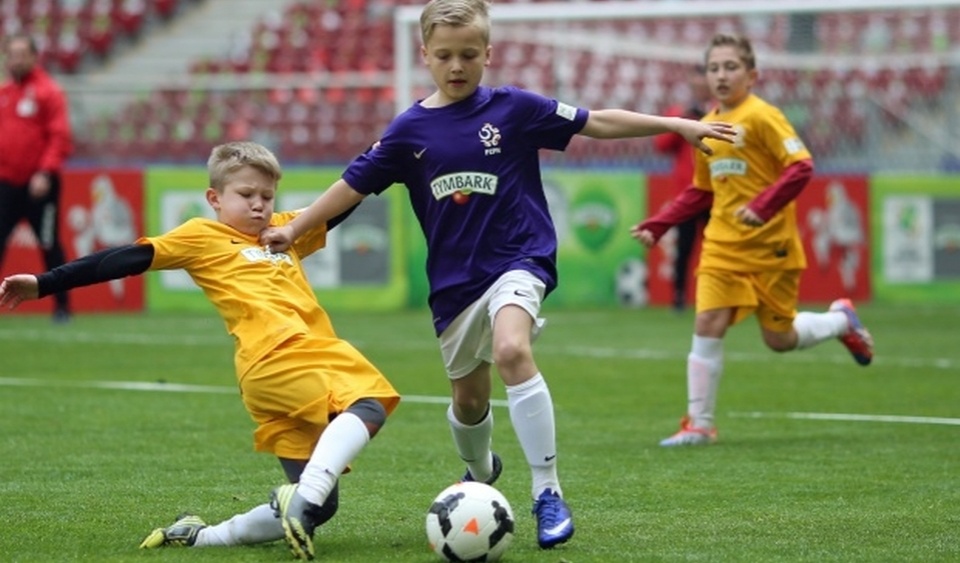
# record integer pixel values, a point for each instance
(44, 217)
(687, 233)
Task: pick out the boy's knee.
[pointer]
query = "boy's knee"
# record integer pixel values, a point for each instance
(511, 352)
(370, 411)
(780, 342)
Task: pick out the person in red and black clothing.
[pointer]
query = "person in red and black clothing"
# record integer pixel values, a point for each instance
(35, 139)
(682, 174)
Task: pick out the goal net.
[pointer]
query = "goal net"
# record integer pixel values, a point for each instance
(870, 85)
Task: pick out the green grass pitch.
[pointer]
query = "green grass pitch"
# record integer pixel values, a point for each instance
(819, 459)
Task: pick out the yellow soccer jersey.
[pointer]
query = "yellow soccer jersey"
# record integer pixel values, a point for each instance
(736, 173)
(263, 297)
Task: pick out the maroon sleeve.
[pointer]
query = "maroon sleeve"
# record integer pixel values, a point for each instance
(791, 182)
(687, 205)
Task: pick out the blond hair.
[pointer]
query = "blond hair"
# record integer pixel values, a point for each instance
(227, 158)
(455, 13)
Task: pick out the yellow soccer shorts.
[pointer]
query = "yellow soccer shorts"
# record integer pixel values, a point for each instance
(294, 391)
(772, 295)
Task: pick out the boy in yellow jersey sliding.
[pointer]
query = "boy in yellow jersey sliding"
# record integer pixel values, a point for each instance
(316, 400)
(752, 254)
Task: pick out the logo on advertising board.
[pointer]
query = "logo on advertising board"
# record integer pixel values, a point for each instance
(594, 218)
(100, 209)
(837, 234)
(907, 231)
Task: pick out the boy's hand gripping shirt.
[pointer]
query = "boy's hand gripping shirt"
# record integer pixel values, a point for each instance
(263, 297)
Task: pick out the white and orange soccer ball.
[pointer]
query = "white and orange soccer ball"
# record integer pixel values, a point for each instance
(470, 521)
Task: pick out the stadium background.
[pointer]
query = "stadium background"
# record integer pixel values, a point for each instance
(154, 84)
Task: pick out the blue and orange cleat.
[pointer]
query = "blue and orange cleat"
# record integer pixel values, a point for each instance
(857, 339)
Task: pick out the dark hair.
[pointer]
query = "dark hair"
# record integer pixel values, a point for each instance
(741, 43)
(21, 36)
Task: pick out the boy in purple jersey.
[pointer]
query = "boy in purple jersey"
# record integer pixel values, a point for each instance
(468, 155)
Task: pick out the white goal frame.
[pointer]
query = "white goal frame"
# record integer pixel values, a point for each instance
(407, 18)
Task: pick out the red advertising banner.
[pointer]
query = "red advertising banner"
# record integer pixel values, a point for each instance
(834, 222)
(99, 209)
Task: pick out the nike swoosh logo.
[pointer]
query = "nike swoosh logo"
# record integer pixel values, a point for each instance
(558, 528)
(418, 154)
(550, 457)
(236, 241)
(519, 293)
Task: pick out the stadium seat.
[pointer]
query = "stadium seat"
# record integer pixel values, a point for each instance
(336, 120)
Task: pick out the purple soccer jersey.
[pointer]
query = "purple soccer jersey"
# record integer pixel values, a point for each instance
(472, 171)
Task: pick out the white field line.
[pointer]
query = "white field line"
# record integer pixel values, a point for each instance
(437, 400)
(807, 357)
(182, 388)
(846, 417)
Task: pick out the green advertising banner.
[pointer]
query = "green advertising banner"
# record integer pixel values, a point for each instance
(362, 267)
(916, 239)
(598, 262)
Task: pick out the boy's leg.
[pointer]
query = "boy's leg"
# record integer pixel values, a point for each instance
(514, 308)
(317, 399)
(840, 321)
(473, 442)
(464, 346)
(528, 397)
(704, 370)
(255, 526)
(300, 507)
(779, 297)
(723, 298)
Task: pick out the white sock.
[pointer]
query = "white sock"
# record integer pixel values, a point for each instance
(341, 442)
(473, 443)
(704, 368)
(814, 328)
(531, 412)
(258, 525)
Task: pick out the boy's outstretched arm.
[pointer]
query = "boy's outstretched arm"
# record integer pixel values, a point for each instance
(105, 265)
(339, 198)
(621, 124)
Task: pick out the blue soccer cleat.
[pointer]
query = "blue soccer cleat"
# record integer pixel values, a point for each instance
(554, 520)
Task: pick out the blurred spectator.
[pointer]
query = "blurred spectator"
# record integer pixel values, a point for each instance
(35, 140)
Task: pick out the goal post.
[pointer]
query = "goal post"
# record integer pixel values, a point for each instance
(869, 84)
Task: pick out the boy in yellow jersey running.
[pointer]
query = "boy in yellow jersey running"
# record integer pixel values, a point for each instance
(752, 254)
(316, 400)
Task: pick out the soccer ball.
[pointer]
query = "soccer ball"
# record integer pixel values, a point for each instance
(631, 282)
(470, 521)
